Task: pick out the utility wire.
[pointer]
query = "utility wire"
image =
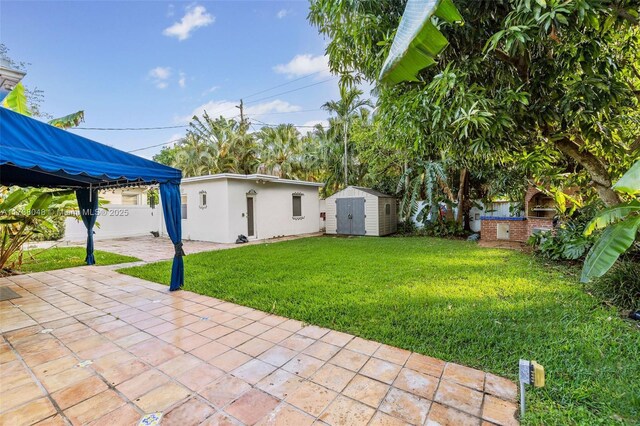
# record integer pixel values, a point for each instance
(133, 128)
(284, 84)
(292, 90)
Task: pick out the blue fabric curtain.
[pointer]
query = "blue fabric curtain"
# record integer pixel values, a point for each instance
(170, 195)
(88, 204)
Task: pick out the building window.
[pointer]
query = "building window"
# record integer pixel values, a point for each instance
(203, 199)
(183, 205)
(130, 199)
(297, 205)
(387, 209)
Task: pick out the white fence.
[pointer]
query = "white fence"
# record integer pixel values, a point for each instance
(117, 222)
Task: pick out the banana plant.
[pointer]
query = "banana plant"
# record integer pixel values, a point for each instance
(418, 41)
(17, 101)
(25, 212)
(621, 224)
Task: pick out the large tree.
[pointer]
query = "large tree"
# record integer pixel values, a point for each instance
(550, 86)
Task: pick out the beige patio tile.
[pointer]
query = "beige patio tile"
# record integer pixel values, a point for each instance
(180, 364)
(53, 367)
(255, 346)
(119, 332)
(45, 356)
(239, 323)
(78, 392)
(391, 354)
(349, 359)
(441, 415)
(297, 342)
(125, 415)
(277, 356)
(380, 370)
(65, 378)
(94, 407)
(155, 351)
(366, 390)
(18, 396)
(333, 377)
(200, 376)
(224, 390)
(229, 360)
(347, 412)
(286, 415)
(56, 420)
(161, 397)
(255, 328)
(322, 350)
(275, 335)
(336, 338)
(303, 365)
(217, 332)
(466, 376)
(460, 397)
(425, 364)
(252, 406)
(501, 387)
(191, 412)
(159, 329)
(417, 383)
(192, 342)
(363, 346)
(383, 419)
(132, 339)
(234, 339)
(29, 413)
(142, 384)
(406, 406)
(499, 411)
(313, 331)
(200, 326)
(311, 398)
(210, 350)
(280, 383)
(253, 371)
(291, 325)
(220, 419)
(273, 320)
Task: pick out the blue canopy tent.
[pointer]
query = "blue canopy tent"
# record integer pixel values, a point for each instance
(33, 153)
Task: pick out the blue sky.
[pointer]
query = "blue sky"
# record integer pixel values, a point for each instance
(154, 63)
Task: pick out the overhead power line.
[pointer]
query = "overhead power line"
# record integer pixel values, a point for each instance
(133, 128)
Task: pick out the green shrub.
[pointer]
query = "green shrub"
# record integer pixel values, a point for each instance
(51, 234)
(620, 286)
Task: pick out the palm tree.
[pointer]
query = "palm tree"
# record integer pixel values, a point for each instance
(280, 151)
(345, 109)
(193, 156)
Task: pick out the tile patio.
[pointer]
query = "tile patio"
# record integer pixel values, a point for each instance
(90, 346)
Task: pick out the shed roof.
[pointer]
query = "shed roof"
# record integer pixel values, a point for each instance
(372, 192)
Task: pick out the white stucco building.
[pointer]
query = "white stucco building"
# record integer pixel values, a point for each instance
(220, 207)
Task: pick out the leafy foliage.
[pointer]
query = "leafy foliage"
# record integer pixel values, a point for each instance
(68, 121)
(620, 286)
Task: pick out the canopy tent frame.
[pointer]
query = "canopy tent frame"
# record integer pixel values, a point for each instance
(36, 154)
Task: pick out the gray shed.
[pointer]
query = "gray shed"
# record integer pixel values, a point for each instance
(361, 211)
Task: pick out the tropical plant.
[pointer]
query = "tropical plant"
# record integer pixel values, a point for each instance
(345, 109)
(26, 212)
(620, 224)
(280, 151)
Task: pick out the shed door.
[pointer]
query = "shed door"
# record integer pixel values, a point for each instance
(350, 216)
(343, 210)
(357, 216)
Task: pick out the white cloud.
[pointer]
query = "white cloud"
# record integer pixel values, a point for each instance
(282, 13)
(170, 10)
(304, 64)
(210, 90)
(228, 109)
(182, 81)
(313, 123)
(194, 18)
(160, 75)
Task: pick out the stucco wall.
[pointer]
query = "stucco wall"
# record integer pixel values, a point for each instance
(225, 216)
(117, 222)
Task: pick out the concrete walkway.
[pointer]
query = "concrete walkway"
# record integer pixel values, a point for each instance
(90, 346)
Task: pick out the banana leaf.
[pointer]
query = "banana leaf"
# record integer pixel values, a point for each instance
(611, 215)
(614, 241)
(16, 100)
(68, 121)
(629, 183)
(417, 41)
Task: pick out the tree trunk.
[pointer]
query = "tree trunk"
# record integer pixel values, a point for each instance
(461, 198)
(595, 168)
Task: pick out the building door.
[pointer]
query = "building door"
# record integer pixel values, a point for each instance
(350, 216)
(251, 229)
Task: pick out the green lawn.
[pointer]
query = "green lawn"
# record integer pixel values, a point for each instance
(38, 260)
(449, 299)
